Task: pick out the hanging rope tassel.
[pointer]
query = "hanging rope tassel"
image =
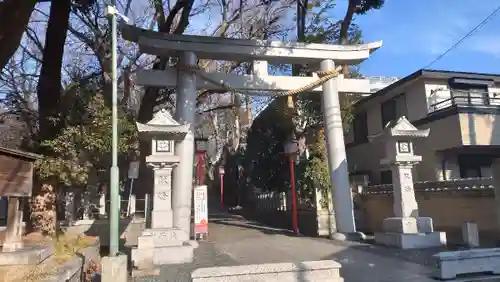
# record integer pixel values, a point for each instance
(289, 102)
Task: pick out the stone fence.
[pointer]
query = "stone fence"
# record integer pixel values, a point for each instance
(449, 203)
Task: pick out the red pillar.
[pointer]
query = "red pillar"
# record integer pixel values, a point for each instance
(200, 167)
(295, 220)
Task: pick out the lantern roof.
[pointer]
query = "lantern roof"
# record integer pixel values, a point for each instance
(401, 128)
(163, 125)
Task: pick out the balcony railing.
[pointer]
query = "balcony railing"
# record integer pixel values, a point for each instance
(460, 98)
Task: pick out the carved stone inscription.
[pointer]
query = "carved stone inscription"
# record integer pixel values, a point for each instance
(405, 204)
(164, 179)
(408, 188)
(406, 182)
(163, 195)
(409, 224)
(162, 201)
(407, 176)
(167, 235)
(162, 190)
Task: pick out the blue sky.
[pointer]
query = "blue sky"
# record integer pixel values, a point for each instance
(414, 33)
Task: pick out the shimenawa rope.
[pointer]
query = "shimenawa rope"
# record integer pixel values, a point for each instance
(323, 77)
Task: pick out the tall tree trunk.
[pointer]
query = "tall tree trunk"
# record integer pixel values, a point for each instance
(15, 16)
(49, 84)
(344, 29)
(301, 28)
(44, 215)
(301, 37)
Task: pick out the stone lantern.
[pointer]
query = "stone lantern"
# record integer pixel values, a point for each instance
(162, 242)
(406, 229)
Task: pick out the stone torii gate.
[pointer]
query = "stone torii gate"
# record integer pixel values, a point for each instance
(191, 48)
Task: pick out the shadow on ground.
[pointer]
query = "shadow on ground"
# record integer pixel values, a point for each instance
(422, 256)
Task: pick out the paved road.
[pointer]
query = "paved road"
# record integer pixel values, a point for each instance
(233, 241)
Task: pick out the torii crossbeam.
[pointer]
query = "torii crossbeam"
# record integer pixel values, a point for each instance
(190, 48)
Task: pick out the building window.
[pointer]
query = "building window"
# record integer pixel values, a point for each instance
(360, 128)
(393, 109)
(386, 177)
(470, 96)
(469, 91)
(473, 166)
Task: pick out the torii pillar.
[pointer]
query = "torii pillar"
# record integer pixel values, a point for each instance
(337, 160)
(185, 110)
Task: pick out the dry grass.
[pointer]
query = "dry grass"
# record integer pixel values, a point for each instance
(64, 248)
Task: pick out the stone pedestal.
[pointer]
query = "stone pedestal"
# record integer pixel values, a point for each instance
(14, 232)
(162, 243)
(410, 233)
(406, 229)
(13, 250)
(114, 269)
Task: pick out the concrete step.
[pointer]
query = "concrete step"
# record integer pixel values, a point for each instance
(162, 256)
(146, 271)
(162, 237)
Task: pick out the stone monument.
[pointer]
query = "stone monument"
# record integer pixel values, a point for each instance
(162, 242)
(406, 229)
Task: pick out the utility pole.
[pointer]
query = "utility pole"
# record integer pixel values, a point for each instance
(114, 215)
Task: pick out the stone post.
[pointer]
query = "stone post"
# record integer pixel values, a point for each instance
(147, 210)
(85, 200)
(185, 114)
(405, 203)
(323, 214)
(69, 207)
(162, 215)
(337, 161)
(133, 199)
(13, 234)
(470, 234)
(102, 205)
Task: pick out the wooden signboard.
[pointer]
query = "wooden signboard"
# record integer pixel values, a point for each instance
(16, 172)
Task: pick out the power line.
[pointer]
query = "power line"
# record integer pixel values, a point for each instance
(470, 33)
